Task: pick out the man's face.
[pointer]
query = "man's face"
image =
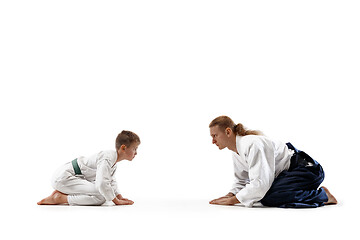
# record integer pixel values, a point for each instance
(218, 137)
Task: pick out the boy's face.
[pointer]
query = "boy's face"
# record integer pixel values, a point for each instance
(131, 151)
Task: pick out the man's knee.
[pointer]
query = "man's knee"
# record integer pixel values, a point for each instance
(271, 200)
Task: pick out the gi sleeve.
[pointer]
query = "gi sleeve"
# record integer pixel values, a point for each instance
(241, 177)
(261, 161)
(114, 185)
(103, 181)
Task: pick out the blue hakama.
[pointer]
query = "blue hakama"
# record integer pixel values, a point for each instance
(297, 187)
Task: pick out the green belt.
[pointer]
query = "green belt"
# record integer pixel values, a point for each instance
(76, 167)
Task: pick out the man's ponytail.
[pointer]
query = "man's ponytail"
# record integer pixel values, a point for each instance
(240, 130)
(225, 122)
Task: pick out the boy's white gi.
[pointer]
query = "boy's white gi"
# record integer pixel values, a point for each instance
(97, 183)
(259, 161)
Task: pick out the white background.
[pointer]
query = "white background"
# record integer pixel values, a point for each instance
(76, 73)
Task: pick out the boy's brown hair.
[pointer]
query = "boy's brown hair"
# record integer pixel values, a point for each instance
(126, 138)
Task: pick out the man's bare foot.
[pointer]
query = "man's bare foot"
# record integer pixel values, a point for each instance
(55, 198)
(331, 198)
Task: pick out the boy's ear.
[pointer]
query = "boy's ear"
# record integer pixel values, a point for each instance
(123, 147)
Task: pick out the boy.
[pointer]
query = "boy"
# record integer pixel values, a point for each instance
(91, 180)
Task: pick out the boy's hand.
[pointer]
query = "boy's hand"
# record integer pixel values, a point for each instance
(120, 197)
(122, 201)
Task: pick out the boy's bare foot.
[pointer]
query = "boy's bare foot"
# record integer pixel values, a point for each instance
(331, 198)
(55, 198)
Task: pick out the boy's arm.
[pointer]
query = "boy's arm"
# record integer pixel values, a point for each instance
(116, 190)
(104, 184)
(115, 186)
(103, 180)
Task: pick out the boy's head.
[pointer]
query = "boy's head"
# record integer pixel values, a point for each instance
(127, 141)
(126, 138)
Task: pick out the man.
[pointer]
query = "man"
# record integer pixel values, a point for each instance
(269, 171)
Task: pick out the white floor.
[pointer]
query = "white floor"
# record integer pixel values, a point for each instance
(176, 219)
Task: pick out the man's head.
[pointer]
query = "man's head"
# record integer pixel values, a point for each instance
(221, 131)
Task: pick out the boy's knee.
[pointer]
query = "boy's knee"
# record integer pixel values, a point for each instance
(57, 185)
(98, 200)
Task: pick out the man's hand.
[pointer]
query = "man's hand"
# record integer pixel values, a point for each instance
(226, 196)
(226, 200)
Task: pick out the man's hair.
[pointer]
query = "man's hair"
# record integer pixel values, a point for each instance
(225, 122)
(126, 138)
